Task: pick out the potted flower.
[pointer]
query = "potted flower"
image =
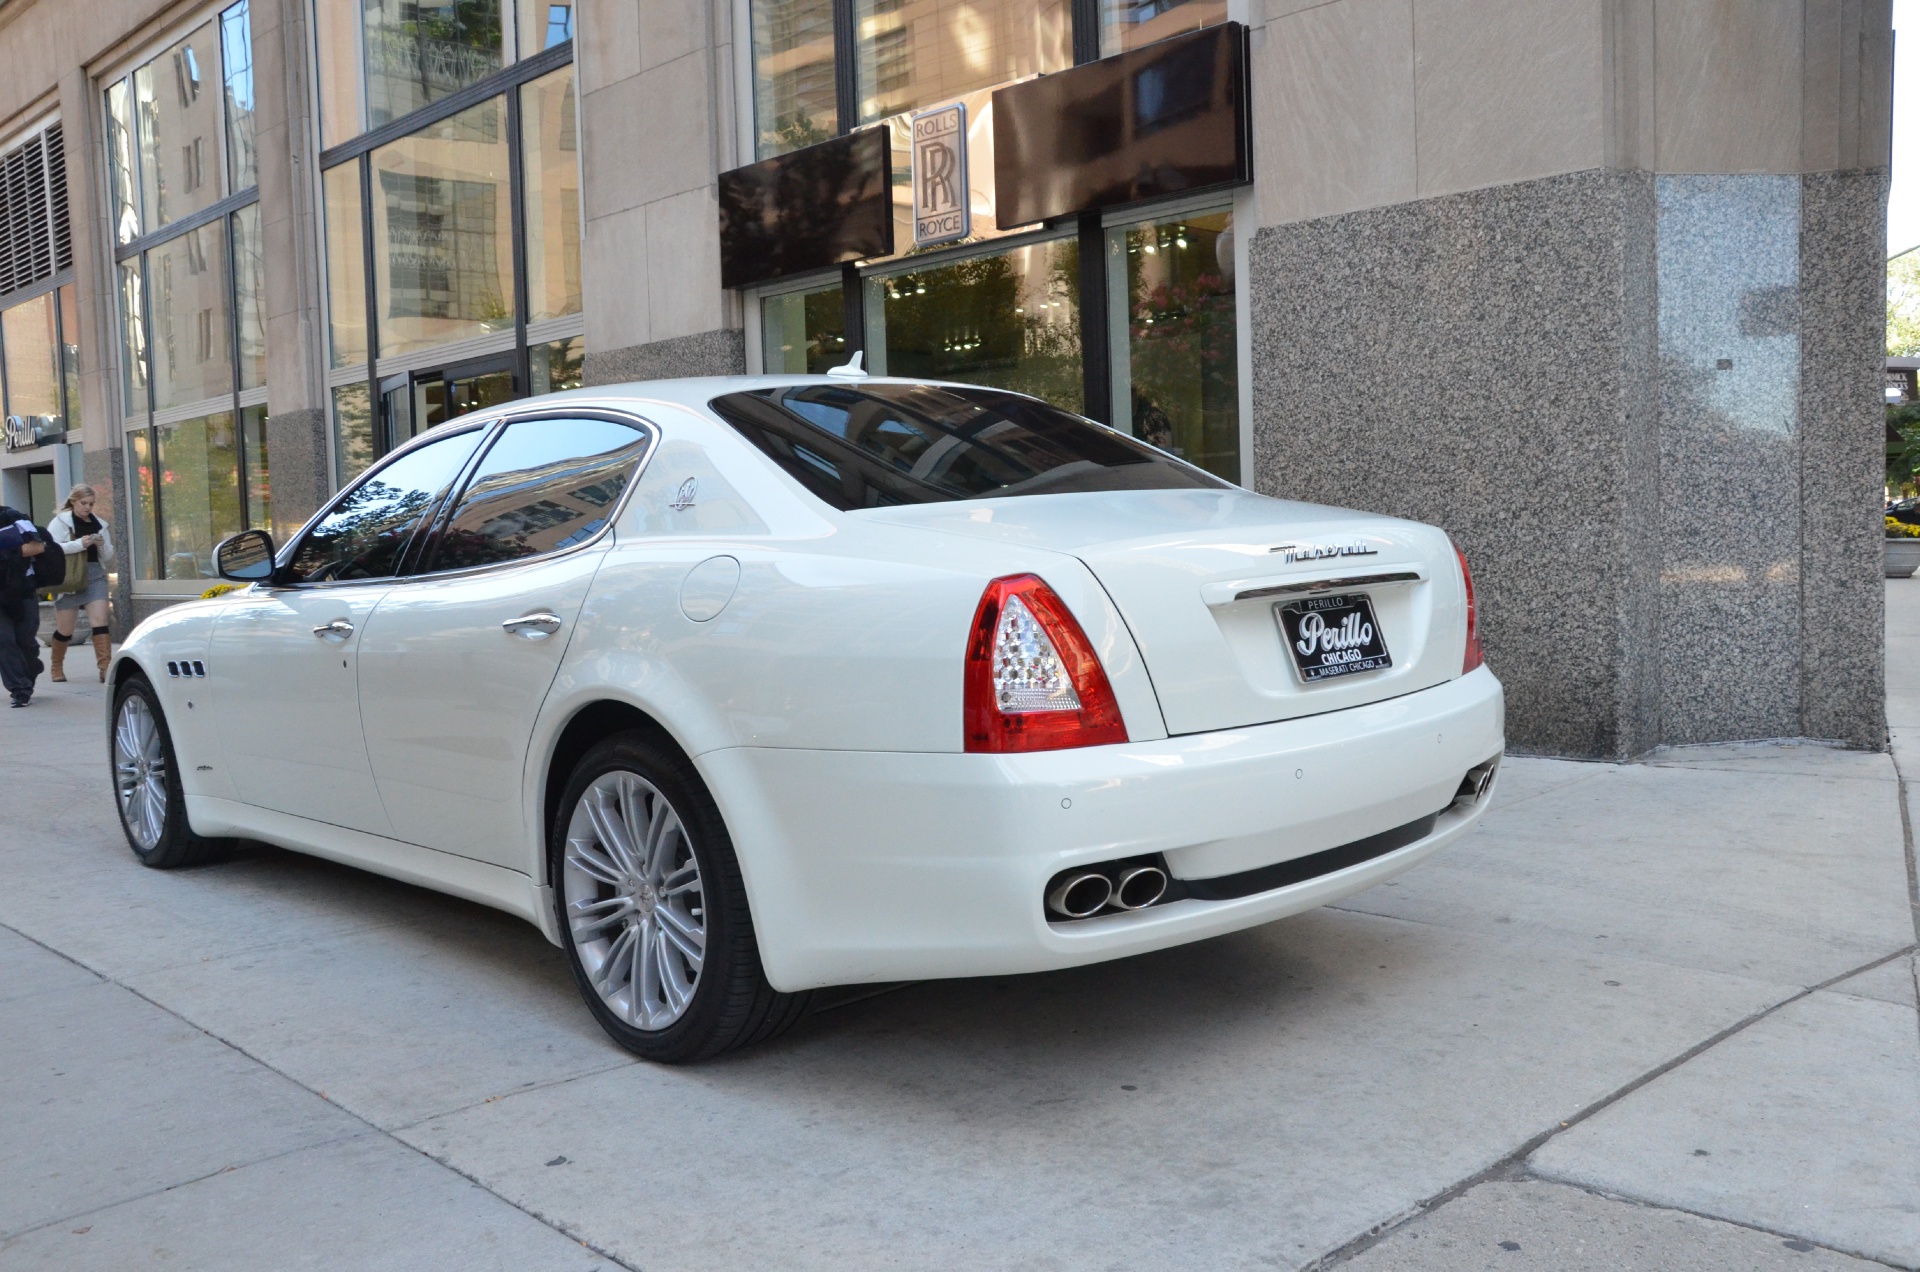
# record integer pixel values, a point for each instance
(1903, 549)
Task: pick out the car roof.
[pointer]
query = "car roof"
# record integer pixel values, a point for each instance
(692, 392)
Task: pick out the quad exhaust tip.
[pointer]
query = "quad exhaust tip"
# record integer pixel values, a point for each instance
(1081, 894)
(1138, 887)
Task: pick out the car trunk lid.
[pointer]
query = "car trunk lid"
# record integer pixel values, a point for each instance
(1200, 577)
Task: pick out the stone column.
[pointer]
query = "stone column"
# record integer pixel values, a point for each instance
(656, 115)
(297, 434)
(1596, 288)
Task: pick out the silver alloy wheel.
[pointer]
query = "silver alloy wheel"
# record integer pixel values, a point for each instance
(631, 886)
(140, 772)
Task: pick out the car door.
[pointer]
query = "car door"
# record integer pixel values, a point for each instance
(456, 661)
(285, 653)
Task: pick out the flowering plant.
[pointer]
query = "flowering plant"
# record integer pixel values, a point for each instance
(1901, 530)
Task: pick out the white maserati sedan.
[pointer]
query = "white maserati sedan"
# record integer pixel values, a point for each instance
(743, 687)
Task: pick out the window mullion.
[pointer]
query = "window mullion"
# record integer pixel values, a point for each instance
(517, 226)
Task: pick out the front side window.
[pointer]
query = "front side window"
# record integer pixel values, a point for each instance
(543, 486)
(879, 444)
(366, 533)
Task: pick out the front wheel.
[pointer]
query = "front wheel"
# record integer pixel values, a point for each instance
(146, 783)
(653, 909)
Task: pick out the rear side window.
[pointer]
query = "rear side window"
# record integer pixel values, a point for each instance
(365, 534)
(871, 445)
(543, 486)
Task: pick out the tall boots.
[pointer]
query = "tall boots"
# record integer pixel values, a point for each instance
(102, 652)
(59, 671)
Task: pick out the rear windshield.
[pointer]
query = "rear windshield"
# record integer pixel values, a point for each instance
(871, 445)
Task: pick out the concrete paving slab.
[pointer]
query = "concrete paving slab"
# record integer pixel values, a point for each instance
(1780, 876)
(27, 969)
(120, 918)
(107, 1098)
(1525, 777)
(366, 1204)
(1534, 1226)
(1247, 1102)
(1805, 1123)
(1891, 982)
(1808, 759)
(405, 1021)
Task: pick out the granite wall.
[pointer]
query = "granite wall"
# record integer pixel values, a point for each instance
(721, 352)
(1657, 447)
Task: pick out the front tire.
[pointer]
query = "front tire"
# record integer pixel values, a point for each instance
(652, 909)
(146, 783)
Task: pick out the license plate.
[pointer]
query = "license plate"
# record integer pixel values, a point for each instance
(1331, 636)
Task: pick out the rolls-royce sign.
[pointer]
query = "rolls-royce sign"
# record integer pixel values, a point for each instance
(941, 212)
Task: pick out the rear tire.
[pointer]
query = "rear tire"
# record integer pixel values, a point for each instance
(652, 910)
(146, 783)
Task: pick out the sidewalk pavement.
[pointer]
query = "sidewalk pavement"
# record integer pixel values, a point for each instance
(1650, 1016)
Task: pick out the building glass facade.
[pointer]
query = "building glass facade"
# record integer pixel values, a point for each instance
(183, 175)
(1163, 318)
(453, 228)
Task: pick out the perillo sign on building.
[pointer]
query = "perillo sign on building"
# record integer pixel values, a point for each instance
(941, 211)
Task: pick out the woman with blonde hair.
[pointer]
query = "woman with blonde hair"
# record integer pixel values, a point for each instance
(77, 530)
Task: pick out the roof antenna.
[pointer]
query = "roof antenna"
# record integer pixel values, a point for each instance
(852, 370)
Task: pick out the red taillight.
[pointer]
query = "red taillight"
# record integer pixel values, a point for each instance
(1033, 682)
(1474, 658)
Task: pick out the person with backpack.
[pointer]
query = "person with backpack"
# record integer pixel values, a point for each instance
(76, 529)
(22, 547)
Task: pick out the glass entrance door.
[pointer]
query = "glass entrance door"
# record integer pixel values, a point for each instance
(413, 403)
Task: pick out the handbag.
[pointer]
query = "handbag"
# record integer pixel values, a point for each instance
(76, 577)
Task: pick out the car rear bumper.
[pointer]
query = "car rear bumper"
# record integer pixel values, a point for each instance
(865, 866)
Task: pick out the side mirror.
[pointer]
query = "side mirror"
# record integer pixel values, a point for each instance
(246, 557)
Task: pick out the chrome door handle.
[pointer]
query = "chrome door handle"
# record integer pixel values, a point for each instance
(339, 627)
(533, 626)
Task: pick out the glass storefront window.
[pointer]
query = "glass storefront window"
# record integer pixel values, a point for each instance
(793, 79)
(805, 332)
(177, 121)
(1010, 320)
(192, 350)
(253, 435)
(416, 54)
(126, 198)
(557, 366)
(913, 53)
(146, 559)
(1128, 24)
(544, 24)
(443, 260)
(32, 350)
(1176, 350)
(346, 270)
(352, 431)
(249, 297)
(131, 293)
(199, 493)
(70, 353)
(236, 50)
(550, 172)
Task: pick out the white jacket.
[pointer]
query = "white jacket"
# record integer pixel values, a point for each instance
(62, 528)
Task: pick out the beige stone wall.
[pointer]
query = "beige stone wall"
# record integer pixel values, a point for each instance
(1366, 103)
(657, 125)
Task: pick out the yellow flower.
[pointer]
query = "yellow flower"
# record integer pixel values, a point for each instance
(221, 589)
